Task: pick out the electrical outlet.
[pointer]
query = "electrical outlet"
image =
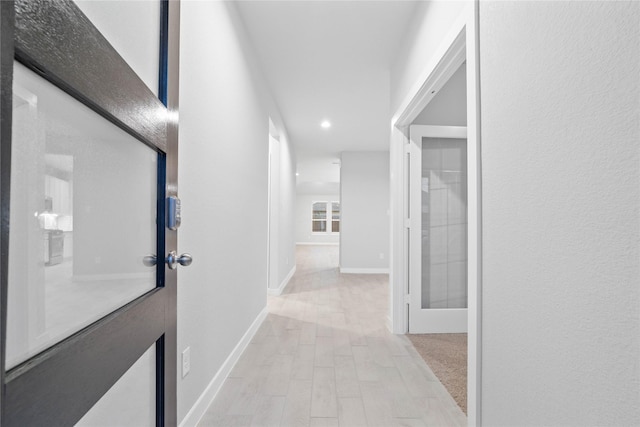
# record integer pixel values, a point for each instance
(186, 361)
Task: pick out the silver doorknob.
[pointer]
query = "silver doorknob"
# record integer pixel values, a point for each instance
(173, 260)
(150, 260)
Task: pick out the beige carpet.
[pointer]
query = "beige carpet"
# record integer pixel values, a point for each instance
(446, 355)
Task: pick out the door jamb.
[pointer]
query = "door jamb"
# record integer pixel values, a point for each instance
(171, 236)
(273, 202)
(458, 46)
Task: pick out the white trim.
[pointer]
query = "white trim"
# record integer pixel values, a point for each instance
(318, 243)
(398, 255)
(440, 131)
(273, 130)
(273, 211)
(474, 230)
(285, 282)
(461, 43)
(364, 270)
(199, 408)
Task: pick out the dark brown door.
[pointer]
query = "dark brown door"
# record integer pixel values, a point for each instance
(88, 153)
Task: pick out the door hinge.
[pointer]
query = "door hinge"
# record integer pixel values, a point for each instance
(407, 299)
(407, 223)
(407, 148)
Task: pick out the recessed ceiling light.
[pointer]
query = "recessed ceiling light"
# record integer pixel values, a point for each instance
(297, 173)
(326, 124)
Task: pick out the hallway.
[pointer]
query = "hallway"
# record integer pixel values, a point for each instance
(324, 357)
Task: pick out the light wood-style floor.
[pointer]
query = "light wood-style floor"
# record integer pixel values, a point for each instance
(324, 357)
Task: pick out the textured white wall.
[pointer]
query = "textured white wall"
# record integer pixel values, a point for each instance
(560, 153)
(224, 127)
(303, 219)
(364, 200)
(432, 20)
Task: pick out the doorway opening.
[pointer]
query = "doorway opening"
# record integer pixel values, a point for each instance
(438, 253)
(442, 304)
(273, 210)
(280, 181)
(437, 196)
(318, 206)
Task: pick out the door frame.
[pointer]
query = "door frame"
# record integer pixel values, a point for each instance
(170, 81)
(459, 45)
(273, 226)
(150, 318)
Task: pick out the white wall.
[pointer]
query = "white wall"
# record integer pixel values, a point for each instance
(364, 198)
(303, 218)
(449, 106)
(224, 128)
(432, 20)
(132, 28)
(560, 160)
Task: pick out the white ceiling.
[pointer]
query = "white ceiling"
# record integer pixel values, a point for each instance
(328, 60)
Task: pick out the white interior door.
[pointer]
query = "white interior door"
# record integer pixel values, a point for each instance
(437, 222)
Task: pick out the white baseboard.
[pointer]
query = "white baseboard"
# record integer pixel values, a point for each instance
(389, 324)
(318, 243)
(283, 285)
(364, 270)
(198, 410)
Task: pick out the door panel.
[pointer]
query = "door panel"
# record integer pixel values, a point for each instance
(438, 230)
(131, 400)
(68, 266)
(58, 386)
(57, 40)
(444, 223)
(104, 169)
